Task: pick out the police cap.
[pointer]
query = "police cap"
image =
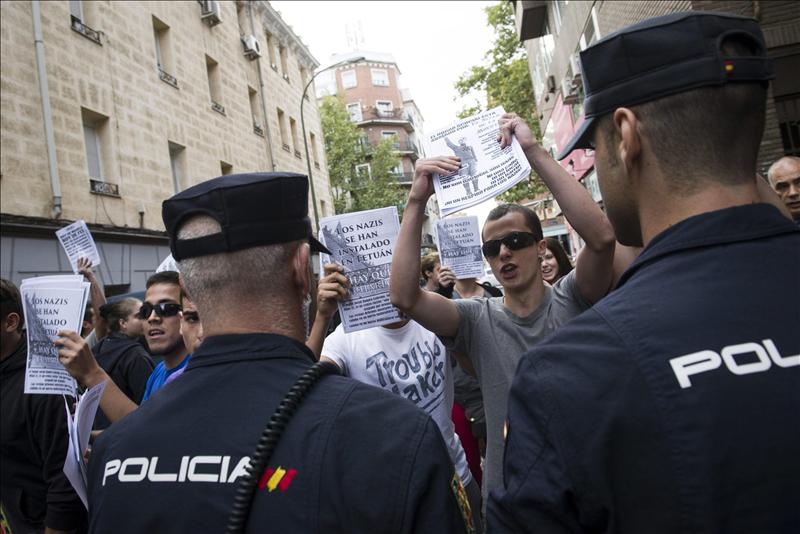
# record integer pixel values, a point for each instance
(664, 56)
(252, 209)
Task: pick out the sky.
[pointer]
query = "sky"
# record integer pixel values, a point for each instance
(434, 43)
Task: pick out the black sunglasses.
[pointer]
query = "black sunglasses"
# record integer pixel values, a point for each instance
(162, 309)
(514, 241)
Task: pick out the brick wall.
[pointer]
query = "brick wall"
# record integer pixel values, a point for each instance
(119, 80)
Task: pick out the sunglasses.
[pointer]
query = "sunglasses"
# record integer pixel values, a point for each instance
(162, 309)
(514, 241)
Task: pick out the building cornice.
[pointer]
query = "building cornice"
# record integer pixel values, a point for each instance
(23, 225)
(274, 24)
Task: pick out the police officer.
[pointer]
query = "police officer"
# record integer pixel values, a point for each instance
(672, 405)
(352, 459)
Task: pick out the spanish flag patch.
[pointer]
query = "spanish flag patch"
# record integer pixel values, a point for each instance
(463, 503)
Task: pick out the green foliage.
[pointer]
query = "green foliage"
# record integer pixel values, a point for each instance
(357, 191)
(506, 81)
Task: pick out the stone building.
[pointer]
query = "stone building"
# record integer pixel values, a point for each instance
(554, 32)
(108, 108)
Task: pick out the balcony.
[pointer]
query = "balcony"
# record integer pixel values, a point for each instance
(404, 148)
(219, 108)
(78, 26)
(404, 178)
(167, 78)
(258, 130)
(395, 116)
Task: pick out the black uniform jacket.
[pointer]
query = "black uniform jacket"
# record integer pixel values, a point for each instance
(33, 444)
(353, 459)
(673, 405)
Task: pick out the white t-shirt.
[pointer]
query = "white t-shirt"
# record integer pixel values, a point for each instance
(410, 362)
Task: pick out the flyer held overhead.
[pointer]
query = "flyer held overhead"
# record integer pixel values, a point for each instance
(77, 242)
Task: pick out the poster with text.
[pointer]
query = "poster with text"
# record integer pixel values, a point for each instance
(486, 170)
(77, 241)
(460, 246)
(50, 304)
(362, 243)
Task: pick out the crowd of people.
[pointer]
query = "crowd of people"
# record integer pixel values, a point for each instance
(650, 385)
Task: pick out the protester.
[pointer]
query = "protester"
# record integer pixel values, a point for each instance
(162, 329)
(493, 333)
(671, 405)
(87, 325)
(429, 267)
(121, 355)
(555, 262)
(784, 178)
(35, 495)
(402, 358)
(240, 245)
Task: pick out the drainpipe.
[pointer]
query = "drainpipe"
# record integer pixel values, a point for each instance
(55, 183)
(263, 92)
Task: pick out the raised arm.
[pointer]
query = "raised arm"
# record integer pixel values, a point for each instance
(332, 288)
(76, 356)
(432, 311)
(97, 295)
(595, 264)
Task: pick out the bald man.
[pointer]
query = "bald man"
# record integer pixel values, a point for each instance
(784, 178)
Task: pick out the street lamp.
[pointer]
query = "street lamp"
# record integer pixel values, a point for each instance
(305, 138)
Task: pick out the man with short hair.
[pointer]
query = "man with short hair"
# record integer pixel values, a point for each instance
(35, 495)
(494, 332)
(242, 246)
(784, 178)
(671, 405)
(162, 331)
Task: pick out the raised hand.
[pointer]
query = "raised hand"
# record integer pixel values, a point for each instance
(76, 356)
(422, 187)
(332, 288)
(446, 277)
(512, 125)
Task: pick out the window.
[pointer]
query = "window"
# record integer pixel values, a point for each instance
(282, 127)
(364, 170)
(354, 110)
(392, 135)
(591, 32)
(349, 79)
(380, 77)
(558, 5)
(214, 85)
(225, 168)
(76, 9)
(255, 111)
(385, 108)
(78, 20)
(176, 163)
(161, 37)
(314, 152)
(295, 142)
(397, 170)
(271, 51)
(97, 141)
(284, 64)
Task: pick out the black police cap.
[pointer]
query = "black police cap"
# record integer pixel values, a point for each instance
(664, 56)
(252, 209)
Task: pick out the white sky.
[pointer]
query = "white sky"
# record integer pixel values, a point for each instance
(434, 43)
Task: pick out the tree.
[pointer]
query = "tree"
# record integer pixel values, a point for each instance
(355, 190)
(506, 81)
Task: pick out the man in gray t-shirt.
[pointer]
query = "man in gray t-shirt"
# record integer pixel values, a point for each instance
(494, 339)
(494, 333)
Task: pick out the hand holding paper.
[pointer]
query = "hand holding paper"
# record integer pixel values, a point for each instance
(422, 187)
(76, 356)
(512, 126)
(332, 289)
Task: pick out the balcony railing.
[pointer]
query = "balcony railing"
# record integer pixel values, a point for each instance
(404, 177)
(372, 113)
(78, 25)
(257, 129)
(219, 108)
(168, 78)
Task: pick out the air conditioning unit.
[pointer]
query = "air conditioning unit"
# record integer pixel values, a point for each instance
(210, 12)
(252, 48)
(569, 92)
(551, 84)
(575, 64)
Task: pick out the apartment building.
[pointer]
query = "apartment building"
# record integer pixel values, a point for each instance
(108, 108)
(555, 31)
(377, 104)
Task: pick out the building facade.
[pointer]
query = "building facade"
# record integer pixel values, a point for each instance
(554, 32)
(371, 90)
(108, 108)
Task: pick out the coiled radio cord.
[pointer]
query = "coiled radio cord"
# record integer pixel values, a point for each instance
(240, 512)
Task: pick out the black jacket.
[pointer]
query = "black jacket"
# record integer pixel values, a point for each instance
(127, 363)
(353, 459)
(33, 444)
(673, 405)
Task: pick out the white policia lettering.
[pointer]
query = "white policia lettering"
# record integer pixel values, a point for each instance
(139, 468)
(708, 360)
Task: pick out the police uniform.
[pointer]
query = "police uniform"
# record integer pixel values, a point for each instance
(671, 405)
(352, 459)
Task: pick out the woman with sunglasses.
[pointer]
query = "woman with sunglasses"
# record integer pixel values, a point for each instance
(120, 353)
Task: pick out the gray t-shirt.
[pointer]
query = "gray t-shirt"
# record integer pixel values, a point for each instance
(495, 339)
